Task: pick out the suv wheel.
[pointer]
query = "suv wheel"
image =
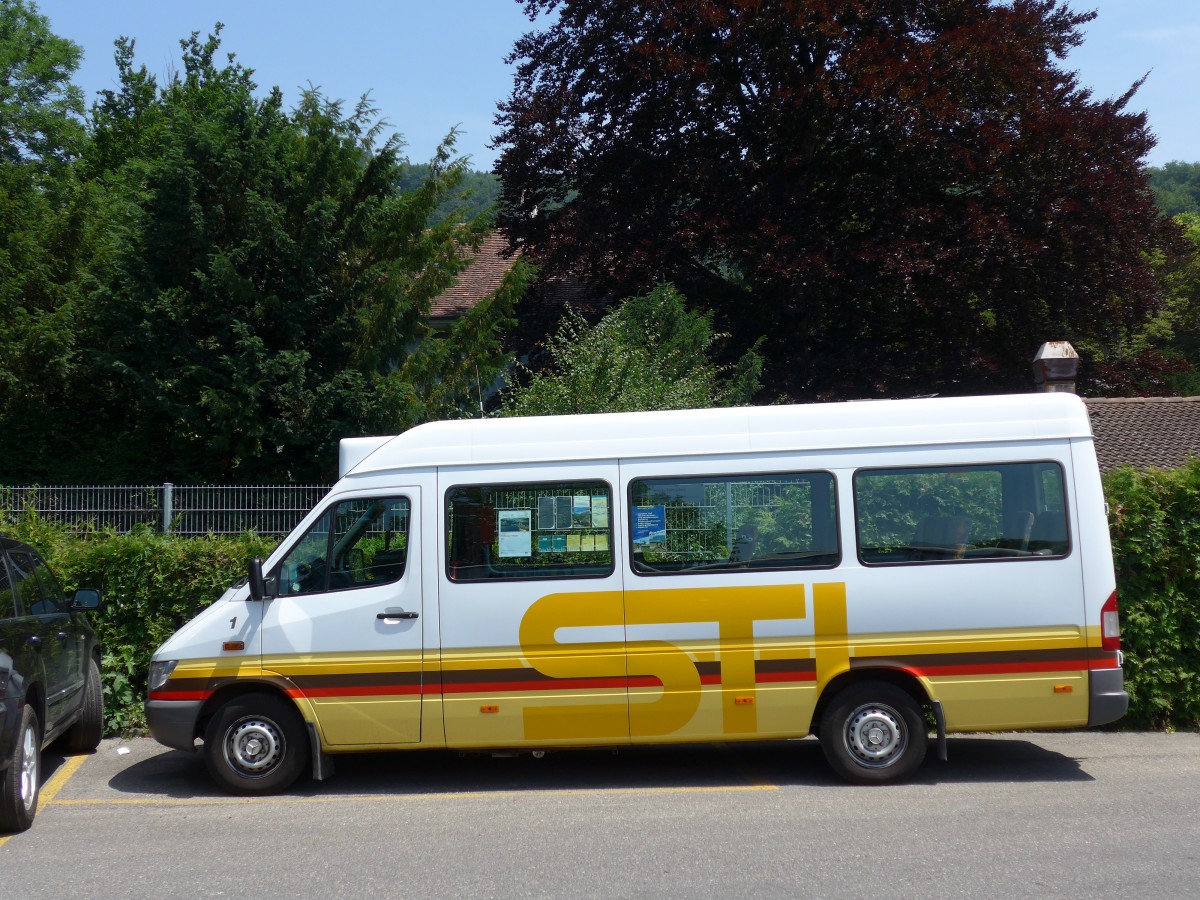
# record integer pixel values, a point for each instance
(19, 785)
(84, 736)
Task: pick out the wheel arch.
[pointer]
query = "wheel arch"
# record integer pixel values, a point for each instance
(35, 696)
(239, 688)
(900, 678)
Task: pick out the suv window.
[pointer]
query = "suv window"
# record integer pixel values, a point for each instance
(38, 594)
(8, 606)
(25, 585)
(51, 595)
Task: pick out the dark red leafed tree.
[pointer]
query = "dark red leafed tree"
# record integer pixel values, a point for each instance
(905, 196)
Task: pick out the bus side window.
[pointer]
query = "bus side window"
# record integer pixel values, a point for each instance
(960, 512)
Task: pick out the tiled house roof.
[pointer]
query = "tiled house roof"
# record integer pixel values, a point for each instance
(1159, 432)
(485, 272)
(479, 279)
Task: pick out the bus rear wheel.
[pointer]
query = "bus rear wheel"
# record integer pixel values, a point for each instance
(873, 733)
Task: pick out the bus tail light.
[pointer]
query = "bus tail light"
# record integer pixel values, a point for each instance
(1110, 624)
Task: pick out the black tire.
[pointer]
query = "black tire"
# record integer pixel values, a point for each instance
(84, 736)
(873, 733)
(255, 744)
(22, 780)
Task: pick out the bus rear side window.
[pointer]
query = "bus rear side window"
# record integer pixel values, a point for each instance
(960, 513)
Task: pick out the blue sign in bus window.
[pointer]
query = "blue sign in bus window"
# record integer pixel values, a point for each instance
(649, 525)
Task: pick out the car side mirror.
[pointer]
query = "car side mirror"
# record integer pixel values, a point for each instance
(86, 598)
(261, 587)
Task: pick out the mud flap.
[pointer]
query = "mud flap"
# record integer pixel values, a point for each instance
(939, 717)
(322, 764)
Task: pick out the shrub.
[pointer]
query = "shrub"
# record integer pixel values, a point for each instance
(151, 583)
(1154, 519)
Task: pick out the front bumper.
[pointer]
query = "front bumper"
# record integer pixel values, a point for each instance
(173, 722)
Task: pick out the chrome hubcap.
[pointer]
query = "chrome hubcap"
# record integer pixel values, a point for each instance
(875, 735)
(254, 746)
(29, 768)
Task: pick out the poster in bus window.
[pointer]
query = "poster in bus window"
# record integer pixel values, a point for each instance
(562, 512)
(649, 525)
(515, 533)
(545, 517)
(599, 511)
(581, 511)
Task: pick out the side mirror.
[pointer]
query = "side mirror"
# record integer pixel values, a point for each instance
(86, 598)
(258, 584)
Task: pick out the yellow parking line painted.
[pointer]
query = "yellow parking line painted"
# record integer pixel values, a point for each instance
(60, 778)
(51, 788)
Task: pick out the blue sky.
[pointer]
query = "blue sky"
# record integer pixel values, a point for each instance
(433, 65)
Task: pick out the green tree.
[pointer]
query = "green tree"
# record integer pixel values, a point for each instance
(1176, 187)
(261, 287)
(1161, 355)
(41, 132)
(478, 194)
(1180, 321)
(41, 111)
(649, 353)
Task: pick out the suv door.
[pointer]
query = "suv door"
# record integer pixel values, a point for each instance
(50, 630)
(13, 651)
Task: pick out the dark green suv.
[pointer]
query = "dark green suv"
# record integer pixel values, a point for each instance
(49, 677)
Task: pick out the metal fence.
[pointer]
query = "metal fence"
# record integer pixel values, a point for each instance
(190, 510)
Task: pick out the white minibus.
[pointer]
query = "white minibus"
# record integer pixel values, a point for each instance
(866, 572)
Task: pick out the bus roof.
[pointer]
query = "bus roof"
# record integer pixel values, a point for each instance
(750, 429)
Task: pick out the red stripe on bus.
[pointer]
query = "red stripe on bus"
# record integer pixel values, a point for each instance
(1013, 668)
(367, 690)
(777, 677)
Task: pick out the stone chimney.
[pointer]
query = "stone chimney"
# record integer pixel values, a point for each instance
(1055, 367)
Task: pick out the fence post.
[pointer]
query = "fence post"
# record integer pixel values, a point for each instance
(168, 513)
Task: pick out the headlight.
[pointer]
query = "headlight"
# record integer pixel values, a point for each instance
(160, 671)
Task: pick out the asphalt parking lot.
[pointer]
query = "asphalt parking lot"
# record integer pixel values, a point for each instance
(1073, 814)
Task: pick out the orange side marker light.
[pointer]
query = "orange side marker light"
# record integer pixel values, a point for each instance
(1063, 689)
(489, 709)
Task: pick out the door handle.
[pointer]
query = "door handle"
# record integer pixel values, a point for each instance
(398, 614)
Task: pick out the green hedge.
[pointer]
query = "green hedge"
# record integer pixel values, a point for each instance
(1154, 519)
(153, 583)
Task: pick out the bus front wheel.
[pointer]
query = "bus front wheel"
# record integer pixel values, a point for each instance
(255, 744)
